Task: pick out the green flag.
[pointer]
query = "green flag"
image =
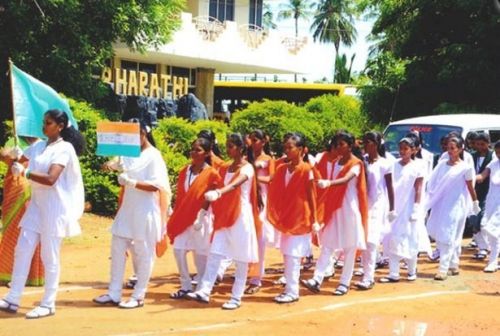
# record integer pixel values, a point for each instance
(32, 99)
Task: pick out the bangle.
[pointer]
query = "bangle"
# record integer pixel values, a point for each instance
(27, 173)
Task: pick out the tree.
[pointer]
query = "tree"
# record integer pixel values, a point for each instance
(268, 17)
(334, 23)
(296, 9)
(449, 49)
(342, 69)
(66, 43)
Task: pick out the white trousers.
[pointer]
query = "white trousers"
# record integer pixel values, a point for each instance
(143, 254)
(394, 265)
(369, 257)
(480, 238)
(257, 280)
(324, 260)
(182, 265)
(449, 256)
(25, 248)
(494, 243)
(213, 265)
(292, 275)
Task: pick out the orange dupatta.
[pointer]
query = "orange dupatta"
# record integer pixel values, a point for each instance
(288, 206)
(321, 172)
(333, 197)
(228, 207)
(189, 203)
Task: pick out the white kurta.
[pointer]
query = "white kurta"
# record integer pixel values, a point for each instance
(491, 218)
(239, 241)
(378, 201)
(424, 242)
(56, 209)
(402, 240)
(269, 232)
(295, 245)
(139, 216)
(191, 239)
(448, 199)
(345, 229)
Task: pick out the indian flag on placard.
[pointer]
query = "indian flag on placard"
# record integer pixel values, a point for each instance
(118, 139)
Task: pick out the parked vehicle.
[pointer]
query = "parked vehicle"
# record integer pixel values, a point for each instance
(434, 127)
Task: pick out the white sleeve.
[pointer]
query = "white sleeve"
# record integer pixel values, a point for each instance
(63, 157)
(356, 170)
(247, 170)
(30, 151)
(469, 174)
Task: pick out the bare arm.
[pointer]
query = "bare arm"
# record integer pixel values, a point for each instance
(390, 190)
(349, 176)
(471, 189)
(50, 178)
(146, 186)
(233, 185)
(418, 189)
(483, 176)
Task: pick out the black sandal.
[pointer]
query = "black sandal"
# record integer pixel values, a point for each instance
(252, 289)
(180, 294)
(8, 307)
(341, 290)
(311, 284)
(388, 280)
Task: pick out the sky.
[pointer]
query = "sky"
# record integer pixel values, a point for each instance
(322, 63)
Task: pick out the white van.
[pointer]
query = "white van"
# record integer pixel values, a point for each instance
(434, 127)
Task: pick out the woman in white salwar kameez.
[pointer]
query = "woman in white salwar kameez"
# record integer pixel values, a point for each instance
(57, 201)
(140, 221)
(490, 224)
(380, 203)
(190, 225)
(259, 156)
(345, 215)
(234, 206)
(402, 241)
(449, 188)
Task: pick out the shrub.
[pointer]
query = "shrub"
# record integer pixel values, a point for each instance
(101, 189)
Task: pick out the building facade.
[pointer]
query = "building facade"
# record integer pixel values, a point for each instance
(216, 36)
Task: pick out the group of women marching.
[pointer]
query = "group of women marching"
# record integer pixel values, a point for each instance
(372, 206)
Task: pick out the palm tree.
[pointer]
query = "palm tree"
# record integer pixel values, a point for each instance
(267, 17)
(296, 9)
(334, 23)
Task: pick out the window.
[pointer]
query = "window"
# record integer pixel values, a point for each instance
(135, 66)
(255, 15)
(222, 10)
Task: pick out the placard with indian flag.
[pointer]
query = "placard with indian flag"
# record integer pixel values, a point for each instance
(118, 139)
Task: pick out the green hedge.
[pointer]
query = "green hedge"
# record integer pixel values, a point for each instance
(317, 119)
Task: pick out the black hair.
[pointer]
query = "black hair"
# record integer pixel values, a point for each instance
(417, 142)
(343, 136)
(206, 145)
(261, 135)
(300, 141)
(210, 136)
(460, 143)
(238, 140)
(68, 133)
(376, 137)
(497, 144)
(472, 135)
(145, 128)
(483, 137)
(410, 141)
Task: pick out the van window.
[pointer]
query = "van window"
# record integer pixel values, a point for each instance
(431, 135)
(494, 136)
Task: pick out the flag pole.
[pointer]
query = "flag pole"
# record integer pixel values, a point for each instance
(12, 103)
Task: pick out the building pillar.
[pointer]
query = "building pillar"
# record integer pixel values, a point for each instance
(205, 88)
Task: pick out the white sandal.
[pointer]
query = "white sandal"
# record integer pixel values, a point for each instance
(232, 304)
(41, 311)
(8, 307)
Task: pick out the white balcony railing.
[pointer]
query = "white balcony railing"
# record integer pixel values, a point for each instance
(253, 35)
(294, 44)
(209, 27)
